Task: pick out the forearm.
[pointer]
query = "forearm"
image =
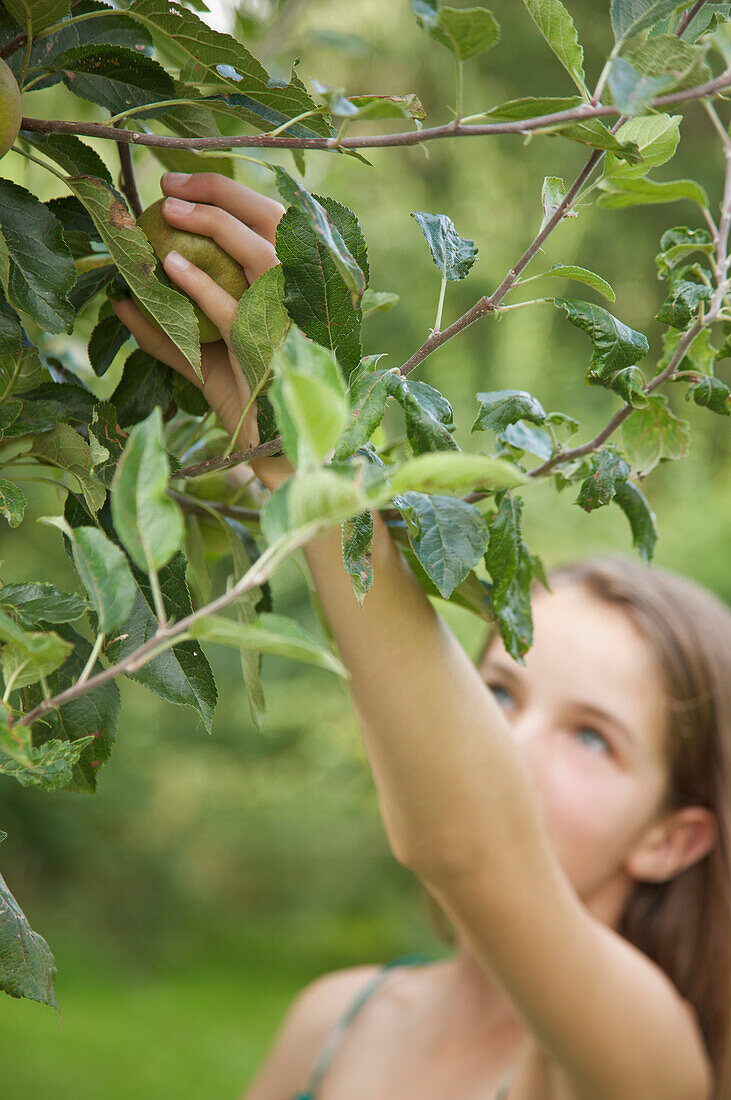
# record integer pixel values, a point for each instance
(452, 783)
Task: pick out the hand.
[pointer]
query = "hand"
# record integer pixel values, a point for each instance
(242, 222)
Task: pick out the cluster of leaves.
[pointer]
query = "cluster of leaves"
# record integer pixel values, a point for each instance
(139, 531)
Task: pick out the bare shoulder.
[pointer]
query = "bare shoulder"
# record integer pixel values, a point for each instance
(306, 1025)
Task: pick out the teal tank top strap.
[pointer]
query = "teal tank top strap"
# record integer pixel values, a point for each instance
(336, 1036)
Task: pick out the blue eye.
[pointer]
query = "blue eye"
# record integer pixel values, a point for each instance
(497, 688)
(604, 742)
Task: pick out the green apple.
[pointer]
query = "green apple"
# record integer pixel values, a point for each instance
(202, 251)
(10, 108)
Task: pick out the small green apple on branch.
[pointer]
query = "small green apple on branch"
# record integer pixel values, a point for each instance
(136, 473)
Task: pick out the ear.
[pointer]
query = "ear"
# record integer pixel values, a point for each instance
(679, 840)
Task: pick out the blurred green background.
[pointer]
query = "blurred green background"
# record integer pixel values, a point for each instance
(210, 878)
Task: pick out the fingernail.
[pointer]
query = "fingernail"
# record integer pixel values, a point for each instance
(175, 261)
(176, 179)
(178, 206)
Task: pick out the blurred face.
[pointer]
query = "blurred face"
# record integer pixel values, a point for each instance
(587, 710)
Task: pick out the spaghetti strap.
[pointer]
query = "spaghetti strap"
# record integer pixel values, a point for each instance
(336, 1036)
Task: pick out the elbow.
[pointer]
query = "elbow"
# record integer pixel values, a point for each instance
(438, 863)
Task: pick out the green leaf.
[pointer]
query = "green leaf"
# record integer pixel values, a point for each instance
(594, 133)
(244, 552)
(323, 495)
(216, 61)
(685, 296)
(48, 766)
(599, 488)
(93, 714)
(451, 472)
(113, 29)
(653, 435)
(357, 548)
(511, 567)
(51, 404)
(65, 449)
(621, 193)
(700, 356)
(10, 410)
(557, 27)
(523, 437)
(28, 655)
(310, 399)
(27, 966)
(629, 17)
(452, 254)
(33, 602)
(317, 297)
(20, 366)
(269, 633)
(447, 535)
(711, 393)
(108, 337)
(679, 242)
(367, 396)
(326, 232)
(133, 255)
(516, 110)
(498, 408)
(581, 275)
(106, 442)
(182, 674)
(630, 383)
(90, 283)
(70, 152)
(378, 301)
(615, 345)
(553, 194)
(35, 16)
(428, 414)
(146, 384)
(260, 325)
(12, 502)
(371, 107)
(668, 55)
(37, 270)
(148, 522)
(105, 574)
(641, 517)
(656, 137)
(467, 32)
(115, 77)
(631, 91)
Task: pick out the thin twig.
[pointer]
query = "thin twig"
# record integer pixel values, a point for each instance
(689, 15)
(374, 141)
(211, 465)
(129, 183)
(233, 511)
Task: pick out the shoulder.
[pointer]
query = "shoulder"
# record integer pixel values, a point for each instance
(306, 1024)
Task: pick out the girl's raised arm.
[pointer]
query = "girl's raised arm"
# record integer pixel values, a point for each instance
(453, 787)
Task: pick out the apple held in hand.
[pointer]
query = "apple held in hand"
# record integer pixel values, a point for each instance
(10, 108)
(202, 251)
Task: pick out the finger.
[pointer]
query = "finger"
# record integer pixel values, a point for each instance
(153, 340)
(216, 303)
(255, 254)
(256, 210)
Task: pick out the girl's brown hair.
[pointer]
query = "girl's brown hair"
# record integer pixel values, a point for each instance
(683, 925)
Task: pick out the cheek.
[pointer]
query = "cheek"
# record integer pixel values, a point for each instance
(592, 810)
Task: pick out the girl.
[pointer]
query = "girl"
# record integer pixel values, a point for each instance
(572, 822)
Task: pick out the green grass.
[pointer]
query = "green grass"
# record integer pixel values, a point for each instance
(177, 1034)
(194, 1024)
